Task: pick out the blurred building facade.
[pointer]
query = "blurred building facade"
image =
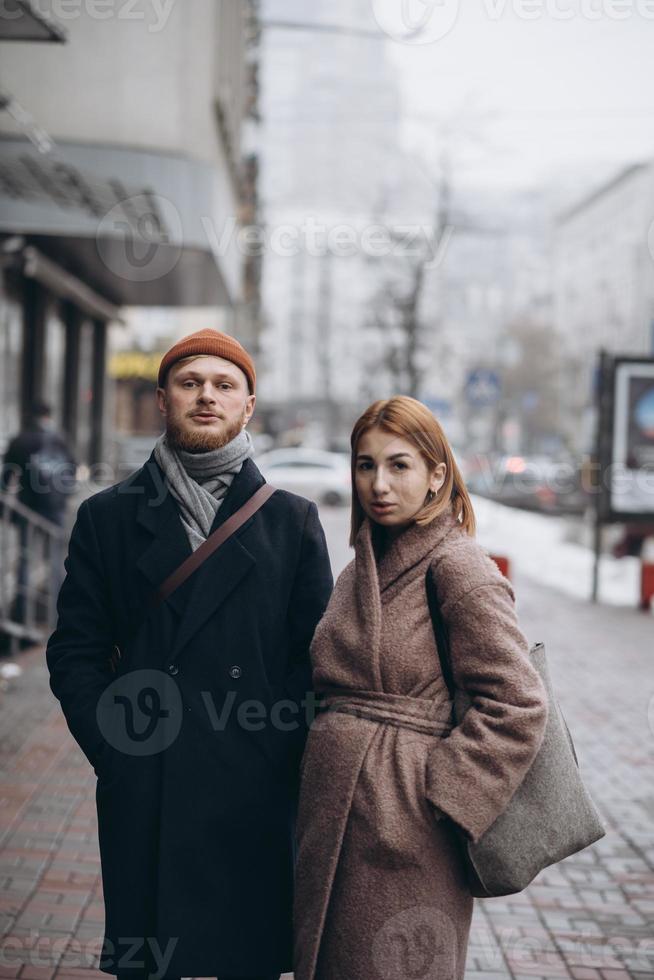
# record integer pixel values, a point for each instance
(329, 145)
(333, 156)
(603, 285)
(494, 275)
(121, 185)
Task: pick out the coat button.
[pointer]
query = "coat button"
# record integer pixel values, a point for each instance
(235, 672)
(173, 669)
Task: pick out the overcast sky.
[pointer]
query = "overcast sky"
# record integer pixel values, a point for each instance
(557, 100)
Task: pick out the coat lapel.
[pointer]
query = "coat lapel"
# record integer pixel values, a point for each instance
(367, 598)
(224, 569)
(158, 513)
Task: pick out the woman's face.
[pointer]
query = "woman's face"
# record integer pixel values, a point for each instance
(392, 478)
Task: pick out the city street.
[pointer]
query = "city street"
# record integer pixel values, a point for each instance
(409, 233)
(590, 917)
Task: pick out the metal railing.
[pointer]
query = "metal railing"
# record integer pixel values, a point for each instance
(31, 572)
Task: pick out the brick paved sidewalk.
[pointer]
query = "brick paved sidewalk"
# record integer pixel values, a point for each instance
(591, 917)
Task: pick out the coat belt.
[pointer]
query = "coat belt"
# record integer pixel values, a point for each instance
(416, 714)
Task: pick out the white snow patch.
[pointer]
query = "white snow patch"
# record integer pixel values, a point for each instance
(536, 546)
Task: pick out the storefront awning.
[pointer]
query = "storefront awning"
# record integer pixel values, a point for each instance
(66, 286)
(141, 228)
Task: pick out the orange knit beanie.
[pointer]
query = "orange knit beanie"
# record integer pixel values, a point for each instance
(209, 342)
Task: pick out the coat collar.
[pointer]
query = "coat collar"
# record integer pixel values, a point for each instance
(406, 551)
(372, 579)
(157, 512)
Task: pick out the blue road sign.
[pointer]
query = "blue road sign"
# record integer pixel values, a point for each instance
(483, 387)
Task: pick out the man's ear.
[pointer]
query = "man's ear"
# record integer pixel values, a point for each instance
(249, 408)
(161, 400)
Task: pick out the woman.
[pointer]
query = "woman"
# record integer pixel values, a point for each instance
(381, 889)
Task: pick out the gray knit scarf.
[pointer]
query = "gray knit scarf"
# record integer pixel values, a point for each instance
(200, 481)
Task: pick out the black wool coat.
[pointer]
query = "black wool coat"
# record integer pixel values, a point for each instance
(197, 729)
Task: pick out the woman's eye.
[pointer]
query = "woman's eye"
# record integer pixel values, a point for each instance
(363, 466)
(400, 466)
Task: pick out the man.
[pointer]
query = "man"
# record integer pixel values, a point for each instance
(40, 467)
(196, 738)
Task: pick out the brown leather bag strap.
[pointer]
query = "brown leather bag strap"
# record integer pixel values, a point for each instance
(214, 541)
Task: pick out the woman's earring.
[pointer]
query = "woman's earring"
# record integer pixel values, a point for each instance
(430, 495)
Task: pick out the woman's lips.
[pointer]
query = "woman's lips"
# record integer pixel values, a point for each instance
(382, 508)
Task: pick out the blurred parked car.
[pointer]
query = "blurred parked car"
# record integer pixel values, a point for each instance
(313, 473)
(532, 483)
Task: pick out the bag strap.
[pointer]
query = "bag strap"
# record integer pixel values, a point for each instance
(440, 633)
(213, 542)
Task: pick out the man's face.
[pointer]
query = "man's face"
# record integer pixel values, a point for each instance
(205, 402)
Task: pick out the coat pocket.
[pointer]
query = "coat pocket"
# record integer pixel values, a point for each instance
(100, 760)
(107, 766)
(390, 806)
(420, 749)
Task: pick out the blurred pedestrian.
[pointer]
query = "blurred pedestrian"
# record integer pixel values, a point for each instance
(39, 468)
(198, 740)
(388, 784)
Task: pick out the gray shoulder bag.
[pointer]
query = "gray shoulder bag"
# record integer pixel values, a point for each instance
(549, 817)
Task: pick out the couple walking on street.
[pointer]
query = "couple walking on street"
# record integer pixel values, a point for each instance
(281, 784)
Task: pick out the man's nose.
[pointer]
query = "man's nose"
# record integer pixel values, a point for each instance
(206, 392)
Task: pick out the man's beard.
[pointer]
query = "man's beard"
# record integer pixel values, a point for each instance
(201, 440)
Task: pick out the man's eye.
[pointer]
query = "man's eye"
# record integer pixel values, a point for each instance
(187, 383)
(363, 466)
(226, 384)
